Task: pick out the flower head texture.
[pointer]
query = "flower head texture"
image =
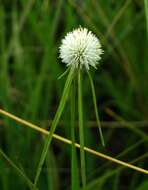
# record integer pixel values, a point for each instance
(81, 48)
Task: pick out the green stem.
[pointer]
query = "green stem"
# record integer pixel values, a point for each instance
(74, 166)
(81, 131)
(54, 124)
(95, 107)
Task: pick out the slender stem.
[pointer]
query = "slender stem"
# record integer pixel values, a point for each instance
(74, 167)
(54, 124)
(95, 107)
(81, 131)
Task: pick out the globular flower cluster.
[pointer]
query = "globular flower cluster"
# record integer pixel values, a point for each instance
(81, 48)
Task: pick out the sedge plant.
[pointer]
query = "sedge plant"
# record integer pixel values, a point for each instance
(80, 50)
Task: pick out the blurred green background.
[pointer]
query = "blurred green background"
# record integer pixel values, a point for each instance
(30, 35)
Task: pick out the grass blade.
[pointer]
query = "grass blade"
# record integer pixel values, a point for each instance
(95, 107)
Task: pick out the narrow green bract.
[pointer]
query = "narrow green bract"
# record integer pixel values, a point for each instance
(54, 124)
(95, 106)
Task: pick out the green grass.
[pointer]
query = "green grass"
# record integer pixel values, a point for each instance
(31, 32)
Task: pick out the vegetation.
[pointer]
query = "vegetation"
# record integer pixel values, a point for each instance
(30, 35)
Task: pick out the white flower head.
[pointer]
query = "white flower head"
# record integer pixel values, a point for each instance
(81, 48)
